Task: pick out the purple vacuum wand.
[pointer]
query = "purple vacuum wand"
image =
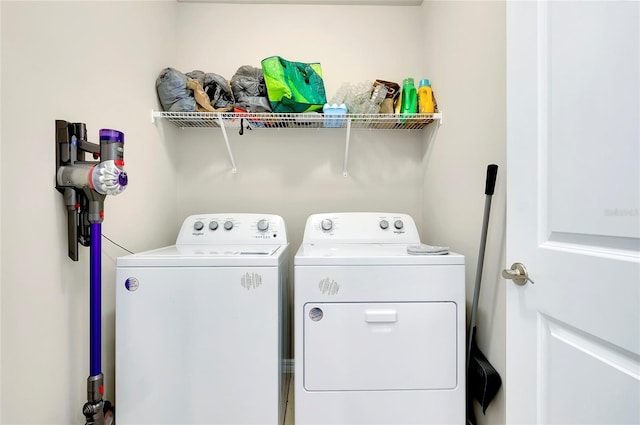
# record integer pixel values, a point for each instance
(85, 185)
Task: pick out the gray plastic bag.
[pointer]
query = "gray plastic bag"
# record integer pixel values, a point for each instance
(250, 90)
(197, 75)
(219, 91)
(173, 93)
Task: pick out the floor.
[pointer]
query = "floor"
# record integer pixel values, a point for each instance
(289, 417)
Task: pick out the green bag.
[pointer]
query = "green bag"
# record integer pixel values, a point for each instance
(293, 86)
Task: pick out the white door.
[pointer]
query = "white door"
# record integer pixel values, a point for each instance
(573, 190)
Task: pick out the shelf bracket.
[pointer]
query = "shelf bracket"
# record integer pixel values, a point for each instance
(226, 141)
(346, 149)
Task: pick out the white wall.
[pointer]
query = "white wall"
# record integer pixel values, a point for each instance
(295, 173)
(93, 62)
(53, 67)
(466, 60)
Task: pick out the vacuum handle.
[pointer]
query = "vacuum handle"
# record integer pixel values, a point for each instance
(490, 185)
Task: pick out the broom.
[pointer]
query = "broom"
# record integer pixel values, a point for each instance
(483, 381)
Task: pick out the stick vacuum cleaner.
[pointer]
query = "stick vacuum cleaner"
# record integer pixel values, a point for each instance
(84, 185)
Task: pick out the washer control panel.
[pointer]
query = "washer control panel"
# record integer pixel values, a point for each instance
(239, 228)
(365, 227)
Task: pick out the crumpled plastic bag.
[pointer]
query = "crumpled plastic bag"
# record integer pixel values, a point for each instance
(194, 91)
(358, 98)
(219, 91)
(250, 90)
(197, 75)
(204, 105)
(173, 92)
(392, 97)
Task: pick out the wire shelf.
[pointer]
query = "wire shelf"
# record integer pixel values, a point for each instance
(297, 121)
(247, 120)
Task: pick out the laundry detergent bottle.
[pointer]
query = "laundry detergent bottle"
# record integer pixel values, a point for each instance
(409, 97)
(425, 98)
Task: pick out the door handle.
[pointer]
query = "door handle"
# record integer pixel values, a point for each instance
(517, 273)
(381, 316)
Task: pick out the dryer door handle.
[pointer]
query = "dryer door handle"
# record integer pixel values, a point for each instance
(381, 316)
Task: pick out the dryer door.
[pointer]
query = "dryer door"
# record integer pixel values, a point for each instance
(380, 346)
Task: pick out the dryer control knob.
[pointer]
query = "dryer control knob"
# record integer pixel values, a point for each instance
(384, 224)
(228, 225)
(213, 225)
(398, 224)
(326, 224)
(198, 225)
(263, 225)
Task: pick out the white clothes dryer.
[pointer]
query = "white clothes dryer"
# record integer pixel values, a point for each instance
(379, 332)
(202, 326)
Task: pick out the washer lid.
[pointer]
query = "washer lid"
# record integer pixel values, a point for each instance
(368, 254)
(206, 256)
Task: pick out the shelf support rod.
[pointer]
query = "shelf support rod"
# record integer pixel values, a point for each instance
(226, 140)
(346, 149)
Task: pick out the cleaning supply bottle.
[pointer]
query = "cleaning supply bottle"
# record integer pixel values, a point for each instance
(425, 98)
(409, 97)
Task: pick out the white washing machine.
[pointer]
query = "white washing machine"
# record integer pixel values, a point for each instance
(202, 326)
(379, 333)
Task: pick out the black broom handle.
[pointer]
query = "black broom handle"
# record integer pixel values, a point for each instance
(492, 172)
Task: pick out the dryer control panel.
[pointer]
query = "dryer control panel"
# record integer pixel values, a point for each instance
(361, 227)
(230, 228)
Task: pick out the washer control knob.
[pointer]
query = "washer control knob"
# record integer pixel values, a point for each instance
(263, 225)
(198, 225)
(228, 225)
(384, 224)
(326, 224)
(398, 224)
(213, 225)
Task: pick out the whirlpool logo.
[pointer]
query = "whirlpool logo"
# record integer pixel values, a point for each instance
(132, 284)
(328, 286)
(251, 281)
